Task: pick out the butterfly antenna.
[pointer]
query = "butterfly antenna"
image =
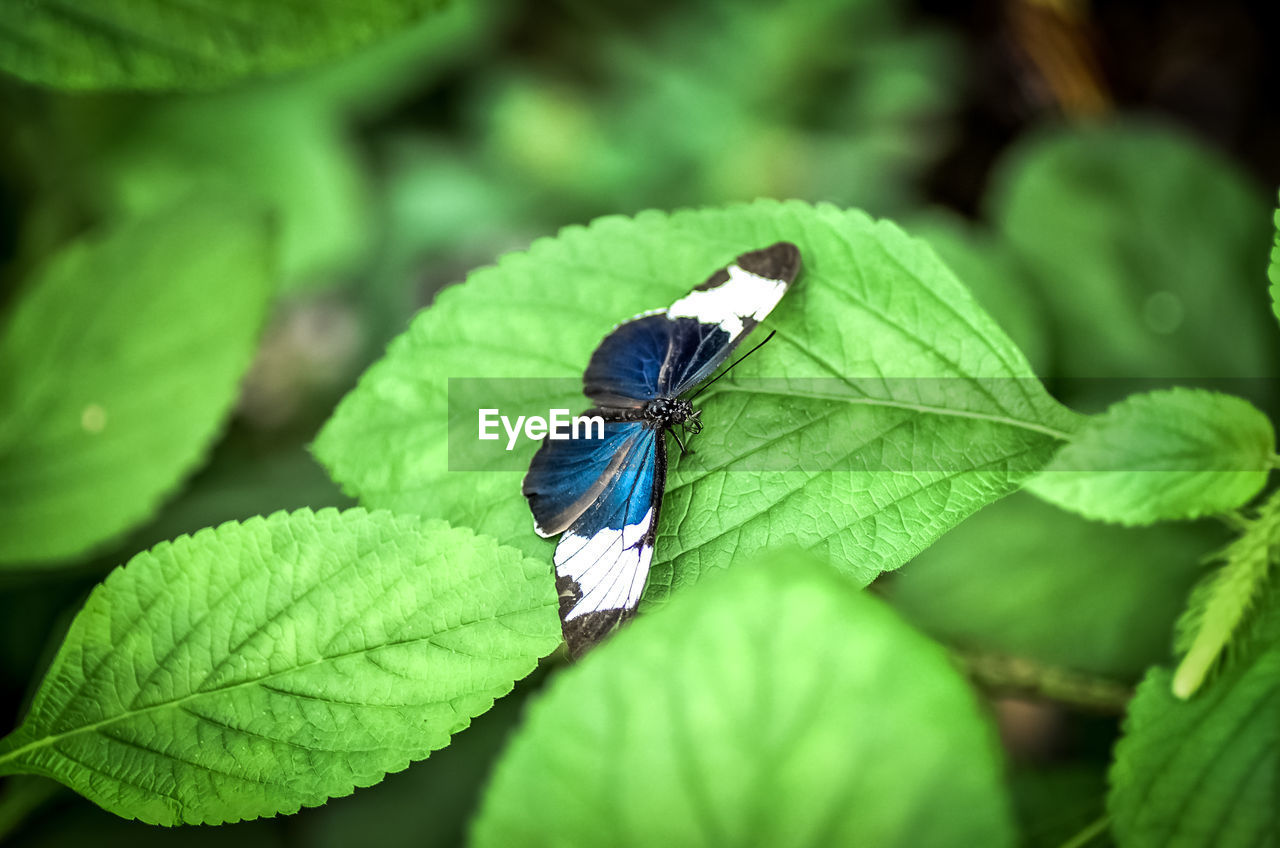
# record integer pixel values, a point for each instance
(706, 386)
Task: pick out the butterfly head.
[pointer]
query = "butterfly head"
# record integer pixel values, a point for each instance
(664, 413)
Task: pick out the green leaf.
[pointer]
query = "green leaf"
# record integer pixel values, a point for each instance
(256, 668)
(1161, 456)
(1115, 592)
(1206, 771)
(1145, 245)
(117, 368)
(165, 44)
(775, 706)
(888, 408)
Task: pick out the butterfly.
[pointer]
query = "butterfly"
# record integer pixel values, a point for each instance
(602, 496)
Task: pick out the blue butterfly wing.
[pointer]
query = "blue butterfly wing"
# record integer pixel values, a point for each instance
(567, 476)
(610, 498)
(625, 369)
(602, 560)
(604, 495)
(667, 353)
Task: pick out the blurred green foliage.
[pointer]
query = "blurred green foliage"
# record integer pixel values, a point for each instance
(119, 372)
(165, 44)
(1144, 244)
(727, 101)
(1118, 248)
(1056, 805)
(977, 585)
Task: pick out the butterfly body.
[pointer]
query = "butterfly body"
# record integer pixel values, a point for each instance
(665, 413)
(662, 413)
(603, 496)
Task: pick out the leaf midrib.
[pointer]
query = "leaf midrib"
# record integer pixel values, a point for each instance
(16, 754)
(1006, 420)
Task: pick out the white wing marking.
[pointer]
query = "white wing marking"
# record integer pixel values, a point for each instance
(610, 567)
(744, 295)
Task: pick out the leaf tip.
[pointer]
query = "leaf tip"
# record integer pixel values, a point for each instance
(1186, 681)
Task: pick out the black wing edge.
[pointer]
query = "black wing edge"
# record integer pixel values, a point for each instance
(587, 631)
(779, 261)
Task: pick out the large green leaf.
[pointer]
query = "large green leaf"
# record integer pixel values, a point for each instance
(1161, 456)
(1205, 771)
(256, 668)
(1115, 592)
(888, 408)
(167, 44)
(117, 368)
(1145, 245)
(776, 706)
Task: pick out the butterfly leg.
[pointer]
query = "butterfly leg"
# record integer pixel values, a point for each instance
(683, 450)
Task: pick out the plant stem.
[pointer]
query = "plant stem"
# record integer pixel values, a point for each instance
(1090, 832)
(1018, 675)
